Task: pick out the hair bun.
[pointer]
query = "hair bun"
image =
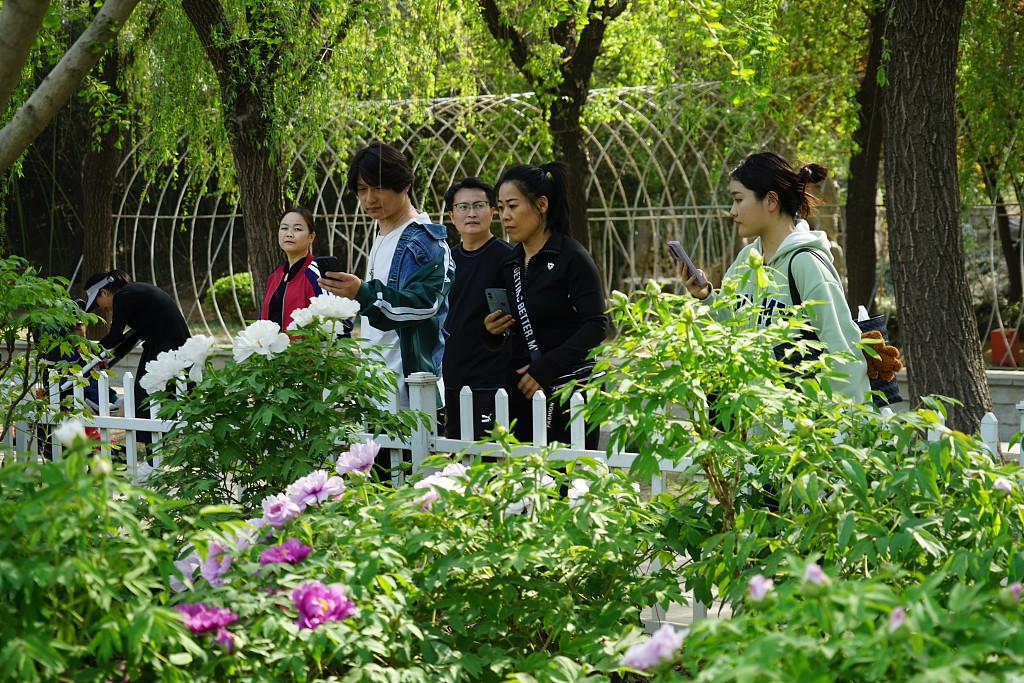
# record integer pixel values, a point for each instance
(811, 174)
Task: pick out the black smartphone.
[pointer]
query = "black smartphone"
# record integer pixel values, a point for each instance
(497, 300)
(328, 264)
(682, 257)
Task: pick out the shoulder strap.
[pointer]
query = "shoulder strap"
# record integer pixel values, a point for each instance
(794, 293)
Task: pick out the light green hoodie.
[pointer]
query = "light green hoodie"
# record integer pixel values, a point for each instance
(817, 282)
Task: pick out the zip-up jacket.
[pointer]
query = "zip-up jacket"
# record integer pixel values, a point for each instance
(564, 303)
(297, 292)
(414, 299)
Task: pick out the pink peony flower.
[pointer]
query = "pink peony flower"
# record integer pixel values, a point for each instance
(816, 575)
(291, 551)
(1016, 588)
(896, 618)
(1002, 485)
(433, 483)
(279, 509)
(758, 587)
(661, 647)
(217, 562)
(358, 458)
(200, 617)
(315, 488)
(318, 604)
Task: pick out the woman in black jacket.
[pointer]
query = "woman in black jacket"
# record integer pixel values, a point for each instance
(558, 306)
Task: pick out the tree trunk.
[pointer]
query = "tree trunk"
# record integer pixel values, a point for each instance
(571, 143)
(261, 186)
(990, 172)
(940, 336)
(246, 103)
(98, 174)
(862, 191)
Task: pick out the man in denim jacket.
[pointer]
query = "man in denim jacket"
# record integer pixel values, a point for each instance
(404, 295)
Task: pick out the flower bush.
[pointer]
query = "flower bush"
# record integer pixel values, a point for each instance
(450, 578)
(271, 416)
(82, 573)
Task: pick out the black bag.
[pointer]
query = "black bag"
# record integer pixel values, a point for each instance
(873, 327)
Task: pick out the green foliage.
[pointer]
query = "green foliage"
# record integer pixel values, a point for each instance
(233, 295)
(36, 320)
(253, 426)
(500, 575)
(851, 631)
(81, 575)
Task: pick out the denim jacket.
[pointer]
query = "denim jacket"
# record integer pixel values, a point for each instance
(414, 300)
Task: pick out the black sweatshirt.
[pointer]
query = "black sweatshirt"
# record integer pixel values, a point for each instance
(466, 361)
(565, 305)
(152, 313)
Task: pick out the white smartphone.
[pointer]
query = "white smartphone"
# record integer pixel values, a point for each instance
(497, 300)
(682, 257)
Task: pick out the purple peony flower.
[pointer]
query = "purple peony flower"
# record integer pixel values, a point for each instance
(358, 458)
(291, 551)
(217, 562)
(661, 647)
(816, 575)
(188, 566)
(318, 604)
(200, 617)
(315, 488)
(225, 639)
(433, 484)
(896, 618)
(758, 587)
(279, 509)
(1002, 485)
(1016, 588)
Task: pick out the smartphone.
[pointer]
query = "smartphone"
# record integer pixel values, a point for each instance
(497, 300)
(328, 263)
(682, 257)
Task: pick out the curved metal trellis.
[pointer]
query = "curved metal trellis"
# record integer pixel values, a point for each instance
(658, 160)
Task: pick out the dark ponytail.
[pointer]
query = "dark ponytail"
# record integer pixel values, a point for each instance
(547, 180)
(766, 172)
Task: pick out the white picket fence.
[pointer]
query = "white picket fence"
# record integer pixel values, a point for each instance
(111, 420)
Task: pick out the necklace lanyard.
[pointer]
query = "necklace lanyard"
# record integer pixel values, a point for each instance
(376, 242)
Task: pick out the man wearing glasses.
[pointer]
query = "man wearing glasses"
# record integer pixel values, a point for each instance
(469, 204)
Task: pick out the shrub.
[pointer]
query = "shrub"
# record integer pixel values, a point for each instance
(231, 295)
(263, 420)
(36, 319)
(81, 575)
(475, 574)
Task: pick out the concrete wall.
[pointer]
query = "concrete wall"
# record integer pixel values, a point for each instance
(1007, 389)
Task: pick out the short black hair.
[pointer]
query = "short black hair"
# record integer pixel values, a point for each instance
(381, 165)
(471, 183)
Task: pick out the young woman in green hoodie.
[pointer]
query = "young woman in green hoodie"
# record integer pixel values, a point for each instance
(769, 205)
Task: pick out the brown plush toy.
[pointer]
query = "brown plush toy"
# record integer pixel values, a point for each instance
(888, 362)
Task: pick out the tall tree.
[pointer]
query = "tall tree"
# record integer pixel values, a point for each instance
(577, 36)
(862, 183)
(923, 208)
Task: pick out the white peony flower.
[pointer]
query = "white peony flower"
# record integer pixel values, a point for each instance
(194, 352)
(263, 337)
(68, 431)
(161, 370)
(336, 307)
(301, 317)
(578, 491)
(333, 328)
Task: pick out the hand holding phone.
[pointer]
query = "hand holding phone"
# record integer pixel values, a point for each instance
(497, 300)
(328, 264)
(682, 257)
